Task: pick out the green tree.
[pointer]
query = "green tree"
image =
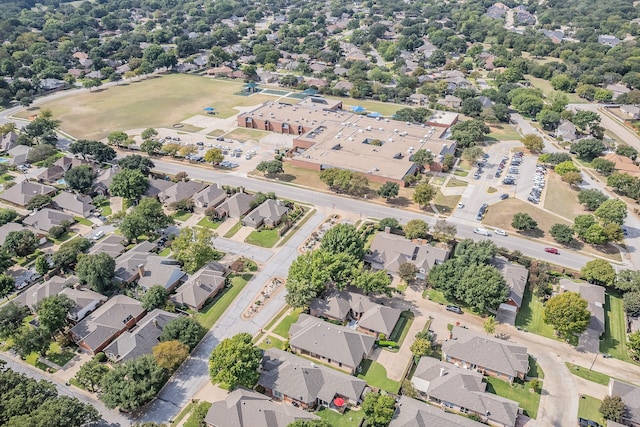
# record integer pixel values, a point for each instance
(132, 384)
(421, 347)
(151, 147)
(5, 260)
(572, 178)
(7, 286)
(378, 409)
(187, 330)
(41, 266)
(588, 149)
(117, 138)
(30, 340)
(52, 312)
(170, 354)
(67, 255)
(469, 132)
(80, 178)
(565, 167)
(584, 119)
(627, 151)
(603, 166)
(270, 168)
(523, 221)
(422, 157)
(591, 199)
(416, 229)
(483, 287)
(612, 408)
(148, 134)
(193, 248)
(38, 201)
(147, 217)
(612, 211)
(137, 162)
(20, 243)
(63, 410)
(567, 313)
(527, 104)
(90, 375)
(564, 83)
(443, 231)
(631, 302)
(389, 190)
(129, 183)
(235, 361)
(599, 271)
(634, 344)
(392, 223)
(407, 272)
(213, 155)
(490, 325)
(155, 297)
(97, 270)
(423, 194)
(562, 233)
(369, 282)
(533, 143)
(471, 154)
(12, 316)
(549, 119)
(343, 238)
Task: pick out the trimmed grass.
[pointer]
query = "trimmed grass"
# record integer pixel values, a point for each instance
(283, 327)
(530, 316)
(165, 252)
(503, 133)
(197, 415)
(83, 221)
(535, 371)
(615, 327)
(376, 375)
(243, 134)
(273, 342)
(212, 312)
(154, 102)
(588, 409)
(275, 318)
(348, 419)
(233, 230)
(501, 214)
(308, 214)
(59, 356)
(263, 238)
(181, 216)
(401, 329)
(545, 87)
(32, 360)
(65, 236)
(186, 411)
(461, 173)
(445, 204)
(529, 401)
(6, 177)
(587, 374)
(561, 199)
(105, 208)
(454, 182)
(206, 222)
(302, 176)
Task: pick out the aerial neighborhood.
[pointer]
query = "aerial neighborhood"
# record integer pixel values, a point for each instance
(319, 214)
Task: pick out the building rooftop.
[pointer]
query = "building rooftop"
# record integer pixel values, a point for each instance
(414, 413)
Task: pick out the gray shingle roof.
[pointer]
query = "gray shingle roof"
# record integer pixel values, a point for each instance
(268, 210)
(127, 264)
(112, 245)
(246, 408)
(8, 228)
(161, 271)
(236, 205)
(75, 203)
(462, 387)
(212, 195)
(19, 154)
(181, 190)
(487, 352)
(515, 277)
(157, 186)
(21, 193)
(594, 294)
(389, 251)
(630, 394)
(82, 297)
(199, 287)
(334, 342)
(51, 287)
(140, 340)
(47, 218)
(304, 380)
(413, 413)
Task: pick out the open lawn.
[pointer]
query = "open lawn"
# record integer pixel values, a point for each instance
(243, 134)
(528, 400)
(545, 87)
(223, 300)
(58, 355)
(271, 342)
(502, 132)
(206, 222)
(199, 412)
(83, 221)
(561, 198)
(301, 176)
(615, 327)
(587, 374)
(283, 327)
(181, 216)
(6, 177)
(154, 102)
(263, 238)
(588, 409)
(445, 204)
(348, 419)
(454, 182)
(165, 252)
(376, 375)
(530, 316)
(105, 208)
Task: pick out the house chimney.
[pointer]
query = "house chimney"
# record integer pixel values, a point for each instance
(442, 371)
(387, 230)
(155, 323)
(141, 270)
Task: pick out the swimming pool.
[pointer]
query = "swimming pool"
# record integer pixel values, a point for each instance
(61, 182)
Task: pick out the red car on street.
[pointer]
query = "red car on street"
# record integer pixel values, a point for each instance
(552, 251)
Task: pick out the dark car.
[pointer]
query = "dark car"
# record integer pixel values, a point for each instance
(552, 251)
(454, 308)
(504, 196)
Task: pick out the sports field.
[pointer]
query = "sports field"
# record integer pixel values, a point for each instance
(154, 102)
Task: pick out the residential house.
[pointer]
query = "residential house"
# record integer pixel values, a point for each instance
(210, 196)
(7, 228)
(413, 413)
(306, 385)
(157, 186)
(630, 395)
(103, 180)
(48, 288)
(111, 245)
(68, 162)
(335, 345)
(181, 190)
(160, 271)
(19, 155)
(85, 301)
(497, 10)
(389, 251)
(618, 89)
(52, 174)
(631, 110)
(522, 16)
(623, 164)
(609, 40)
(200, 287)
(371, 318)
(141, 339)
(556, 36)
(589, 340)
(485, 101)
(419, 99)
(109, 321)
(8, 141)
(567, 131)
(492, 357)
(128, 265)
(75, 204)
(515, 277)
(235, 206)
(52, 84)
(462, 390)
(21, 193)
(268, 213)
(343, 85)
(450, 101)
(222, 71)
(247, 408)
(45, 219)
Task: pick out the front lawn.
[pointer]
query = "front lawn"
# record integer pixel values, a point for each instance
(83, 221)
(263, 238)
(588, 374)
(58, 355)
(348, 419)
(199, 412)
(615, 327)
(271, 342)
(181, 216)
(283, 327)
(535, 371)
(212, 312)
(376, 375)
(165, 252)
(233, 230)
(530, 316)
(528, 400)
(588, 409)
(206, 222)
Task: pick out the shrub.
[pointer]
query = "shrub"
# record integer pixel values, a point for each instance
(100, 357)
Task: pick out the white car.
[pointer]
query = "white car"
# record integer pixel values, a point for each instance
(500, 232)
(482, 231)
(460, 205)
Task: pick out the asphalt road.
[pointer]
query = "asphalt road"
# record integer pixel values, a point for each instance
(610, 123)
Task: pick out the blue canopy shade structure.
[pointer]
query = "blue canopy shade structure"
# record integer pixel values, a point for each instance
(310, 91)
(209, 109)
(374, 114)
(358, 109)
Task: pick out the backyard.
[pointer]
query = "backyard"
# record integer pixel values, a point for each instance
(588, 409)
(263, 238)
(348, 419)
(530, 316)
(519, 392)
(212, 312)
(285, 324)
(376, 376)
(615, 329)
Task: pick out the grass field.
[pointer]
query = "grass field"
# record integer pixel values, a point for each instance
(273, 342)
(561, 199)
(545, 87)
(501, 214)
(58, 355)
(528, 400)
(589, 375)
(376, 375)
(263, 238)
(83, 221)
(445, 204)
(348, 419)
(503, 133)
(206, 222)
(181, 216)
(454, 182)
(615, 327)
(243, 134)
(530, 316)
(214, 310)
(283, 327)
(154, 102)
(588, 409)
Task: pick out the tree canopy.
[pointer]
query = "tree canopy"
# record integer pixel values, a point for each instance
(235, 362)
(193, 248)
(80, 178)
(343, 238)
(187, 330)
(600, 272)
(97, 270)
(129, 183)
(567, 313)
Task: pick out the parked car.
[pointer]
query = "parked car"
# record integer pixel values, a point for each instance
(460, 205)
(454, 309)
(500, 232)
(481, 231)
(552, 251)
(504, 196)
